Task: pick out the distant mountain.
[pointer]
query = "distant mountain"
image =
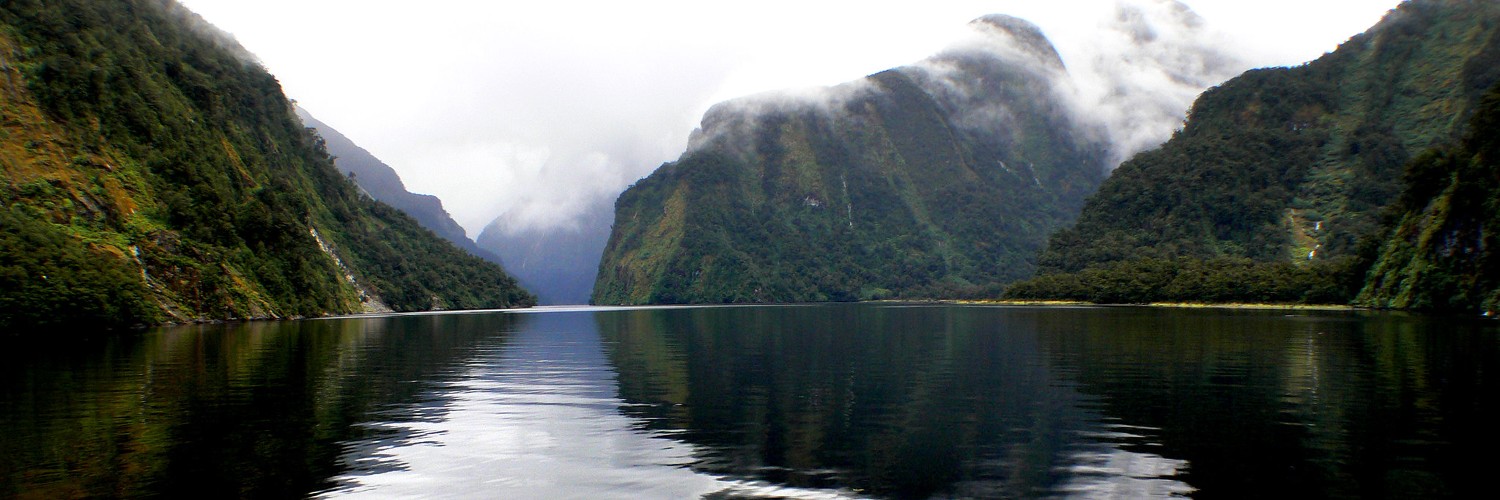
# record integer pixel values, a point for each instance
(1281, 172)
(939, 179)
(381, 182)
(151, 172)
(558, 264)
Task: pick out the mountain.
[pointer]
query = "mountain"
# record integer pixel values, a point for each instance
(1436, 253)
(381, 182)
(152, 172)
(558, 264)
(1281, 171)
(939, 179)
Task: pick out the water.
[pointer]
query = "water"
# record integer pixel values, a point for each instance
(837, 401)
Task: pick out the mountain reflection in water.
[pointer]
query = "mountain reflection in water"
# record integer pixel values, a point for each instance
(826, 401)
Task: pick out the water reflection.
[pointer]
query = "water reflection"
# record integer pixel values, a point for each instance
(1115, 472)
(532, 414)
(239, 410)
(535, 414)
(890, 401)
(837, 401)
(1262, 404)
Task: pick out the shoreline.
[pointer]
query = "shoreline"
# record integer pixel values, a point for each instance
(1172, 305)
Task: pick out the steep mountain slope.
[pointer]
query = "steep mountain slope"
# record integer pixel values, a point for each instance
(1295, 164)
(381, 182)
(151, 173)
(558, 264)
(939, 179)
(1438, 253)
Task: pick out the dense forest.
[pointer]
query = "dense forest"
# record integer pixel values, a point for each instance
(1435, 252)
(1279, 188)
(941, 179)
(152, 172)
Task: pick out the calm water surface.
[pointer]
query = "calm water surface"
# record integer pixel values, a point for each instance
(836, 401)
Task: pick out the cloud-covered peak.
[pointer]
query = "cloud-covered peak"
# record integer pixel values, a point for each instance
(998, 51)
(1017, 34)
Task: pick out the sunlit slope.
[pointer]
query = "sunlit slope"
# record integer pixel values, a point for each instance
(152, 173)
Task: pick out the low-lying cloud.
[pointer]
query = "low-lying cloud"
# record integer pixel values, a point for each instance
(1137, 77)
(611, 118)
(993, 49)
(536, 110)
(1130, 83)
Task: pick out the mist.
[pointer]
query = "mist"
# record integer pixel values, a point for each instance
(1129, 85)
(1139, 75)
(1131, 79)
(532, 112)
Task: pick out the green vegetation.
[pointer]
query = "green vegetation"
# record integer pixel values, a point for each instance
(1279, 174)
(382, 182)
(155, 174)
(884, 192)
(1224, 280)
(1436, 253)
(45, 274)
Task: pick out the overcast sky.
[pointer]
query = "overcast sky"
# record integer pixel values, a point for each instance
(537, 108)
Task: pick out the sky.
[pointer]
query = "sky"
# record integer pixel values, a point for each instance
(535, 111)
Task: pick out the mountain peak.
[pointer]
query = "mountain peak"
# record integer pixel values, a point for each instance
(912, 182)
(1008, 36)
(1020, 30)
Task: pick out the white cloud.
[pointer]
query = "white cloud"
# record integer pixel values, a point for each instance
(523, 107)
(1143, 69)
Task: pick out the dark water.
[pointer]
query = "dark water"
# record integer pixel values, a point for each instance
(763, 402)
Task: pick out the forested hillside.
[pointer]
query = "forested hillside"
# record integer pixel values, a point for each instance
(381, 182)
(1441, 251)
(939, 179)
(152, 172)
(1281, 171)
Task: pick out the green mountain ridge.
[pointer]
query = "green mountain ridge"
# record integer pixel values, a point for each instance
(152, 174)
(938, 179)
(1281, 173)
(381, 182)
